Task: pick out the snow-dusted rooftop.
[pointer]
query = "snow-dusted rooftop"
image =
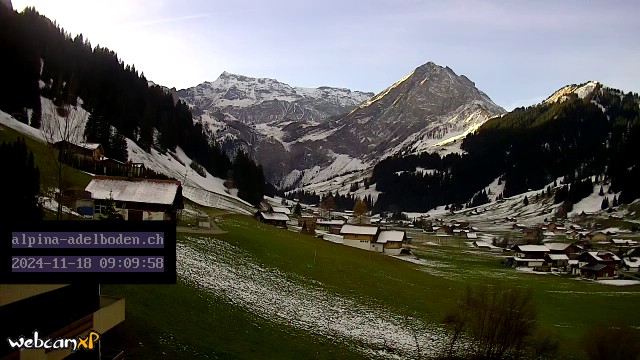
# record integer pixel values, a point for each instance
(598, 255)
(558, 257)
(274, 216)
(330, 222)
(90, 146)
(557, 246)
(359, 230)
(531, 248)
(134, 190)
(390, 236)
(281, 209)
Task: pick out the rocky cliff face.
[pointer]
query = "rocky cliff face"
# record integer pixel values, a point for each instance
(304, 136)
(258, 100)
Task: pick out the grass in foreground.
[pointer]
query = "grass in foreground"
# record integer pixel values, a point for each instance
(567, 307)
(181, 322)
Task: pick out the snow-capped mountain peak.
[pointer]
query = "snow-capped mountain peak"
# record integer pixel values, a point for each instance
(235, 94)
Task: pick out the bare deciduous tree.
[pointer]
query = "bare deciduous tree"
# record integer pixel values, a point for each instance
(494, 321)
(61, 127)
(612, 341)
(360, 210)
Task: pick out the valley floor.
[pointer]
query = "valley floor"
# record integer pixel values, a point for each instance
(261, 292)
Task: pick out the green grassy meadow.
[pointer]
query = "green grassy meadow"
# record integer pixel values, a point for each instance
(44, 161)
(191, 318)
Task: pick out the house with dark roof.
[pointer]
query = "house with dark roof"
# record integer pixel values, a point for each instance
(598, 264)
(136, 199)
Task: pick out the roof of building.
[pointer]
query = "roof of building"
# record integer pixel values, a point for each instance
(281, 209)
(594, 267)
(598, 255)
(150, 191)
(558, 257)
(632, 261)
(90, 146)
(531, 248)
(527, 260)
(390, 236)
(557, 246)
(274, 216)
(330, 222)
(549, 233)
(359, 230)
(472, 235)
(623, 242)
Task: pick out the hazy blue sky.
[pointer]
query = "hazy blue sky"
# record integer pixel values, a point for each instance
(518, 52)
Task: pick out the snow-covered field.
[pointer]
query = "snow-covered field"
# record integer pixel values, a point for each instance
(231, 274)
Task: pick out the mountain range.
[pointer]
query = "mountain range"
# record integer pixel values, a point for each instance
(431, 138)
(303, 136)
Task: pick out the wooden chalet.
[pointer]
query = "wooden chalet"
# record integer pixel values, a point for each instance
(390, 241)
(333, 226)
(597, 236)
(556, 260)
(136, 199)
(443, 230)
(572, 250)
(372, 238)
(598, 264)
(271, 218)
(88, 151)
(529, 255)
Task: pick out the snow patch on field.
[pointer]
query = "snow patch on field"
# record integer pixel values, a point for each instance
(232, 274)
(619, 282)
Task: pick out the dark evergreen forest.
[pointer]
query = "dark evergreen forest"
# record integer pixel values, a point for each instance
(527, 149)
(41, 59)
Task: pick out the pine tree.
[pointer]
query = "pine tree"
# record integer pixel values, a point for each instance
(526, 201)
(614, 202)
(297, 210)
(601, 193)
(21, 201)
(605, 203)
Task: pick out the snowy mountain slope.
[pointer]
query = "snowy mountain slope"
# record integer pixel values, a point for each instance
(430, 107)
(581, 91)
(304, 136)
(261, 100)
(196, 187)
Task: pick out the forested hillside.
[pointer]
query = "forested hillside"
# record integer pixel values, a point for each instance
(527, 149)
(41, 59)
